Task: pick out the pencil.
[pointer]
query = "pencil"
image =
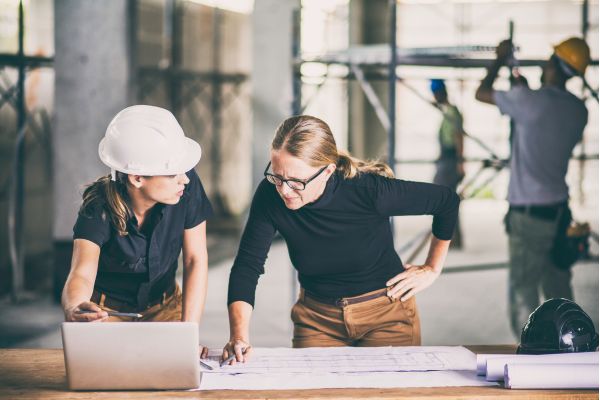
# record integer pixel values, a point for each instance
(113, 313)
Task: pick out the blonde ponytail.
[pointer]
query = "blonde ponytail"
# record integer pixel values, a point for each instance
(310, 139)
(113, 194)
(350, 166)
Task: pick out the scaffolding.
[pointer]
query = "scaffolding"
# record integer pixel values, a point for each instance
(368, 63)
(215, 89)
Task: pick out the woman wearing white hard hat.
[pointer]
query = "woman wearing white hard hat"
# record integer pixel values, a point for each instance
(133, 224)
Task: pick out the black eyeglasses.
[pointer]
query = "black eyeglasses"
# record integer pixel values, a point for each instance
(295, 184)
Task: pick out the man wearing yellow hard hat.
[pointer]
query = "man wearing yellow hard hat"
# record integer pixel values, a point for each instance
(548, 123)
(573, 55)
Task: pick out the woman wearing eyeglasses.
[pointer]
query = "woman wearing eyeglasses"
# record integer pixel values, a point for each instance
(334, 212)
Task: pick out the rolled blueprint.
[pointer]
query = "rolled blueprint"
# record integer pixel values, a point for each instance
(482, 361)
(495, 366)
(551, 376)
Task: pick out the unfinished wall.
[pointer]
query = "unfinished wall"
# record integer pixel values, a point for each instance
(213, 108)
(93, 83)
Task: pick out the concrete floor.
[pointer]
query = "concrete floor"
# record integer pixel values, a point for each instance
(462, 307)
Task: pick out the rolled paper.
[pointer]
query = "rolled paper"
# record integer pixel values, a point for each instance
(495, 366)
(551, 376)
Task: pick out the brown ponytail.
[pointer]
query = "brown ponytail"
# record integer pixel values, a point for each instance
(310, 139)
(113, 195)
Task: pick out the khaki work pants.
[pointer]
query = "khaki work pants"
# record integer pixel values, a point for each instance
(377, 322)
(169, 310)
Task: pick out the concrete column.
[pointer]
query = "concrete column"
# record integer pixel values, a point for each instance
(369, 24)
(93, 70)
(271, 75)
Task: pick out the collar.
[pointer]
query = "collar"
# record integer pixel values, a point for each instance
(158, 208)
(328, 193)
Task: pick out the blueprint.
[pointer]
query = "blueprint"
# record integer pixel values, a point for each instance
(349, 359)
(345, 367)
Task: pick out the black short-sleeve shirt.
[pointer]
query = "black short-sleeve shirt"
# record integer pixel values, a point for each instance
(138, 267)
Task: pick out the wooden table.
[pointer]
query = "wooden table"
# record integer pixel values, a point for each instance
(40, 374)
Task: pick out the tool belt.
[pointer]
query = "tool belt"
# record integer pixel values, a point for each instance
(345, 301)
(571, 242)
(123, 306)
(549, 212)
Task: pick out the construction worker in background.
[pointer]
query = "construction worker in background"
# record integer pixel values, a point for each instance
(449, 168)
(548, 123)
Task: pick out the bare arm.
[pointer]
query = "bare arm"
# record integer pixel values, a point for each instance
(438, 250)
(80, 283)
(239, 332)
(485, 91)
(195, 272)
(418, 277)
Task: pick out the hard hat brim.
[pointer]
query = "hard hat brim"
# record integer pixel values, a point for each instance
(187, 161)
(192, 156)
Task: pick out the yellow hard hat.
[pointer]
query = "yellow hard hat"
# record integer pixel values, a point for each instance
(575, 53)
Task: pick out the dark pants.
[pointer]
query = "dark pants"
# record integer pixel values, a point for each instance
(531, 266)
(446, 172)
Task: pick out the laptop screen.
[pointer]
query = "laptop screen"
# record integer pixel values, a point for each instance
(131, 355)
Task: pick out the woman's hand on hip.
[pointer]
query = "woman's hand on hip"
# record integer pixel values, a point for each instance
(86, 312)
(238, 347)
(410, 282)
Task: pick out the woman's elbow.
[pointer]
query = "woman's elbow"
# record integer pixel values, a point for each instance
(195, 261)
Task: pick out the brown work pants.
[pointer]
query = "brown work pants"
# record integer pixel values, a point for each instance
(169, 310)
(377, 322)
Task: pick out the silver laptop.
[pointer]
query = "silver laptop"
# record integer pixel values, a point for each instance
(131, 355)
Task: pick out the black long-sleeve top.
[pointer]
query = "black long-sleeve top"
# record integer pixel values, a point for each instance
(341, 244)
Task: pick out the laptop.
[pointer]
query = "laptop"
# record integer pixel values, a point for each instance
(131, 355)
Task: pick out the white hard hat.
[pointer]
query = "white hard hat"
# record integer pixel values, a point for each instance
(147, 140)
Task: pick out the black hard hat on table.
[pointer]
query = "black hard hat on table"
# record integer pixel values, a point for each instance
(558, 326)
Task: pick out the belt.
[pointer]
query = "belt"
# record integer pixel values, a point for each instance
(345, 301)
(124, 306)
(549, 212)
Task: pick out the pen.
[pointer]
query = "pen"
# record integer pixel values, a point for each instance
(113, 313)
(230, 358)
(205, 365)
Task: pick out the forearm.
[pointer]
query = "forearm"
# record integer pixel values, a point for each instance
(438, 249)
(77, 290)
(492, 74)
(485, 90)
(195, 283)
(239, 320)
